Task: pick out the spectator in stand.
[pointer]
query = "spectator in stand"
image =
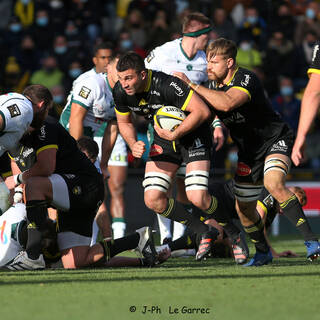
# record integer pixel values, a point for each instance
(308, 23)
(75, 69)
(42, 30)
(14, 34)
(286, 104)
(248, 56)
(279, 58)
(49, 74)
(223, 26)
(254, 27)
(284, 21)
(58, 14)
(59, 97)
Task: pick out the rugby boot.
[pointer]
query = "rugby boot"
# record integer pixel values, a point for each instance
(260, 259)
(206, 243)
(313, 249)
(146, 247)
(240, 250)
(23, 262)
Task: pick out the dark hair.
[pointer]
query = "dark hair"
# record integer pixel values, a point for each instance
(37, 93)
(102, 46)
(130, 60)
(194, 16)
(88, 145)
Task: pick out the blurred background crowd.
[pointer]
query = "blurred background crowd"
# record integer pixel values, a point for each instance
(50, 42)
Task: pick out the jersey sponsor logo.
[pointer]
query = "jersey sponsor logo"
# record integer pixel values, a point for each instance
(84, 92)
(155, 93)
(3, 236)
(150, 56)
(179, 91)
(155, 150)
(315, 51)
(42, 134)
(246, 80)
(14, 111)
(243, 169)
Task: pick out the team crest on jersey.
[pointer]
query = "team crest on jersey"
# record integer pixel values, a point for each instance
(243, 169)
(189, 67)
(155, 150)
(84, 92)
(14, 111)
(150, 56)
(76, 190)
(268, 201)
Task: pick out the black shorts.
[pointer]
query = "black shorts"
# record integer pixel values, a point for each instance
(86, 194)
(250, 170)
(195, 146)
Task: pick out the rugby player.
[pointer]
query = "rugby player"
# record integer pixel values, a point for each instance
(90, 111)
(186, 55)
(264, 142)
(143, 92)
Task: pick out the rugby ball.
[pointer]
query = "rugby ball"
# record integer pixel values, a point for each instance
(169, 117)
(4, 198)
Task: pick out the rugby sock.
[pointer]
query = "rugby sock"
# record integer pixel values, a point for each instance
(231, 230)
(164, 228)
(118, 227)
(185, 242)
(293, 211)
(255, 232)
(36, 218)
(112, 247)
(213, 206)
(175, 211)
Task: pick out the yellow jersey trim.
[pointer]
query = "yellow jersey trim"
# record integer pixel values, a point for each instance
(312, 70)
(232, 76)
(262, 206)
(244, 90)
(149, 81)
(49, 146)
(187, 100)
(122, 113)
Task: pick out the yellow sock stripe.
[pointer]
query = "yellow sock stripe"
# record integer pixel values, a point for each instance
(263, 207)
(285, 203)
(255, 227)
(213, 206)
(169, 209)
(222, 224)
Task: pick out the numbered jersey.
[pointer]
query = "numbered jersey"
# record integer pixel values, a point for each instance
(10, 225)
(92, 92)
(171, 57)
(17, 114)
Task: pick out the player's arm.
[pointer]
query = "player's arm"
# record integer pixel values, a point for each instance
(309, 108)
(235, 97)
(2, 122)
(129, 134)
(77, 115)
(108, 141)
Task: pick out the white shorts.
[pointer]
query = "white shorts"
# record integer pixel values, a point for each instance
(119, 155)
(67, 240)
(60, 193)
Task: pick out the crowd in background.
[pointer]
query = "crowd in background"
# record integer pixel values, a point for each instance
(50, 42)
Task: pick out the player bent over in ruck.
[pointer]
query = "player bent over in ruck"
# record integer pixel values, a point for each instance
(143, 92)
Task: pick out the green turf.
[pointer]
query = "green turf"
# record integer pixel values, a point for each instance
(287, 289)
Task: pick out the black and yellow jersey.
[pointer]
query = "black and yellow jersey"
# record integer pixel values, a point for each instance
(69, 159)
(315, 62)
(161, 89)
(255, 125)
(5, 167)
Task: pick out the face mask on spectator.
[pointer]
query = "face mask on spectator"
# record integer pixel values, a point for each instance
(25, 1)
(310, 13)
(286, 91)
(74, 73)
(60, 50)
(15, 27)
(252, 19)
(58, 99)
(233, 156)
(245, 46)
(56, 4)
(42, 21)
(126, 44)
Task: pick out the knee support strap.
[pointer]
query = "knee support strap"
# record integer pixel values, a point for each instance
(156, 180)
(197, 180)
(247, 192)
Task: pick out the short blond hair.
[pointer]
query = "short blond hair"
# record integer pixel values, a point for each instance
(222, 46)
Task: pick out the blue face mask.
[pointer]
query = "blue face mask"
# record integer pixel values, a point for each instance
(58, 99)
(286, 91)
(25, 1)
(126, 44)
(74, 73)
(310, 13)
(233, 157)
(252, 19)
(16, 27)
(42, 21)
(60, 50)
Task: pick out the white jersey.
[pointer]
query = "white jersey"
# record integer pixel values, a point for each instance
(9, 232)
(171, 57)
(91, 91)
(17, 114)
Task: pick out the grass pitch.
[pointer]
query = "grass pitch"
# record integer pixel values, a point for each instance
(181, 288)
